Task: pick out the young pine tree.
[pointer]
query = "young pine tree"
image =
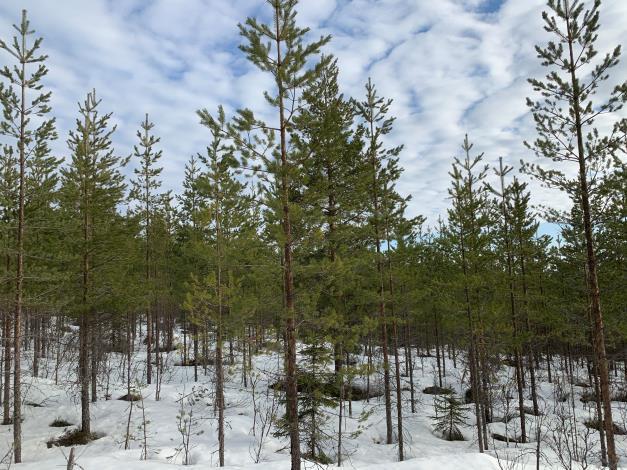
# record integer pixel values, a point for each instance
(450, 416)
(333, 177)
(92, 190)
(9, 194)
(564, 118)
(144, 193)
(22, 100)
(279, 49)
(382, 163)
(224, 196)
(469, 219)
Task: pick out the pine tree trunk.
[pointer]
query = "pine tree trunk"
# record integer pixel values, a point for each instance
(399, 393)
(410, 367)
(36, 345)
(591, 264)
(19, 269)
(84, 372)
(6, 386)
(157, 316)
(483, 390)
(148, 346)
(219, 367)
(472, 355)
(185, 326)
(597, 404)
(382, 313)
(397, 367)
(129, 352)
(288, 275)
(84, 319)
(244, 344)
(93, 344)
(437, 350)
(196, 358)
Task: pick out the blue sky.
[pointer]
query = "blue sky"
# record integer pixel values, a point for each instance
(451, 66)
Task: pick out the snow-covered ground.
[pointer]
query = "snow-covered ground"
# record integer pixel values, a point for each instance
(163, 419)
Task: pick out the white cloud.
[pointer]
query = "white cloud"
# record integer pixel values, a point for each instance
(449, 68)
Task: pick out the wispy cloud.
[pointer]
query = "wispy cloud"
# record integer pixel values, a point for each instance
(451, 66)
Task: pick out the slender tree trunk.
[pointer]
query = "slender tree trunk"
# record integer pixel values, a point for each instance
(84, 372)
(157, 315)
(437, 349)
(94, 361)
(472, 357)
(148, 346)
(288, 275)
(36, 345)
(19, 269)
(340, 410)
(185, 326)
(85, 313)
(129, 352)
(219, 367)
(591, 264)
(382, 313)
(397, 367)
(399, 393)
(6, 386)
(196, 358)
(410, 366)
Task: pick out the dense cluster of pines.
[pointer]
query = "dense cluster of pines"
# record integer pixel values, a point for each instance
(294, 230)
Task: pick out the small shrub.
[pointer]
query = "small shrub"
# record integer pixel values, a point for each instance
(435, 390)
(60, 423)
(502, 438)
(74, 437)
(134, 396)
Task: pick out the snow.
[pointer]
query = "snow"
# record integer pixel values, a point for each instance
(424, 450)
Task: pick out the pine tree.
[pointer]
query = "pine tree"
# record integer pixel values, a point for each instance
(144, 193)
(331, 204)
(383, 170)
(9, 192)
(506, 247)
(18, 110)
(450, 415)
(524, 228)
(92, 190)
(312, 417)
(286, 57)
(221, 190)
(564, 119)
(190, 241)
(42, 243)
(469, 219)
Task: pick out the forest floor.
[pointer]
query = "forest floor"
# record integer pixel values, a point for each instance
(185, 413)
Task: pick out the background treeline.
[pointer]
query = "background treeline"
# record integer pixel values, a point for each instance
(293, 230)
